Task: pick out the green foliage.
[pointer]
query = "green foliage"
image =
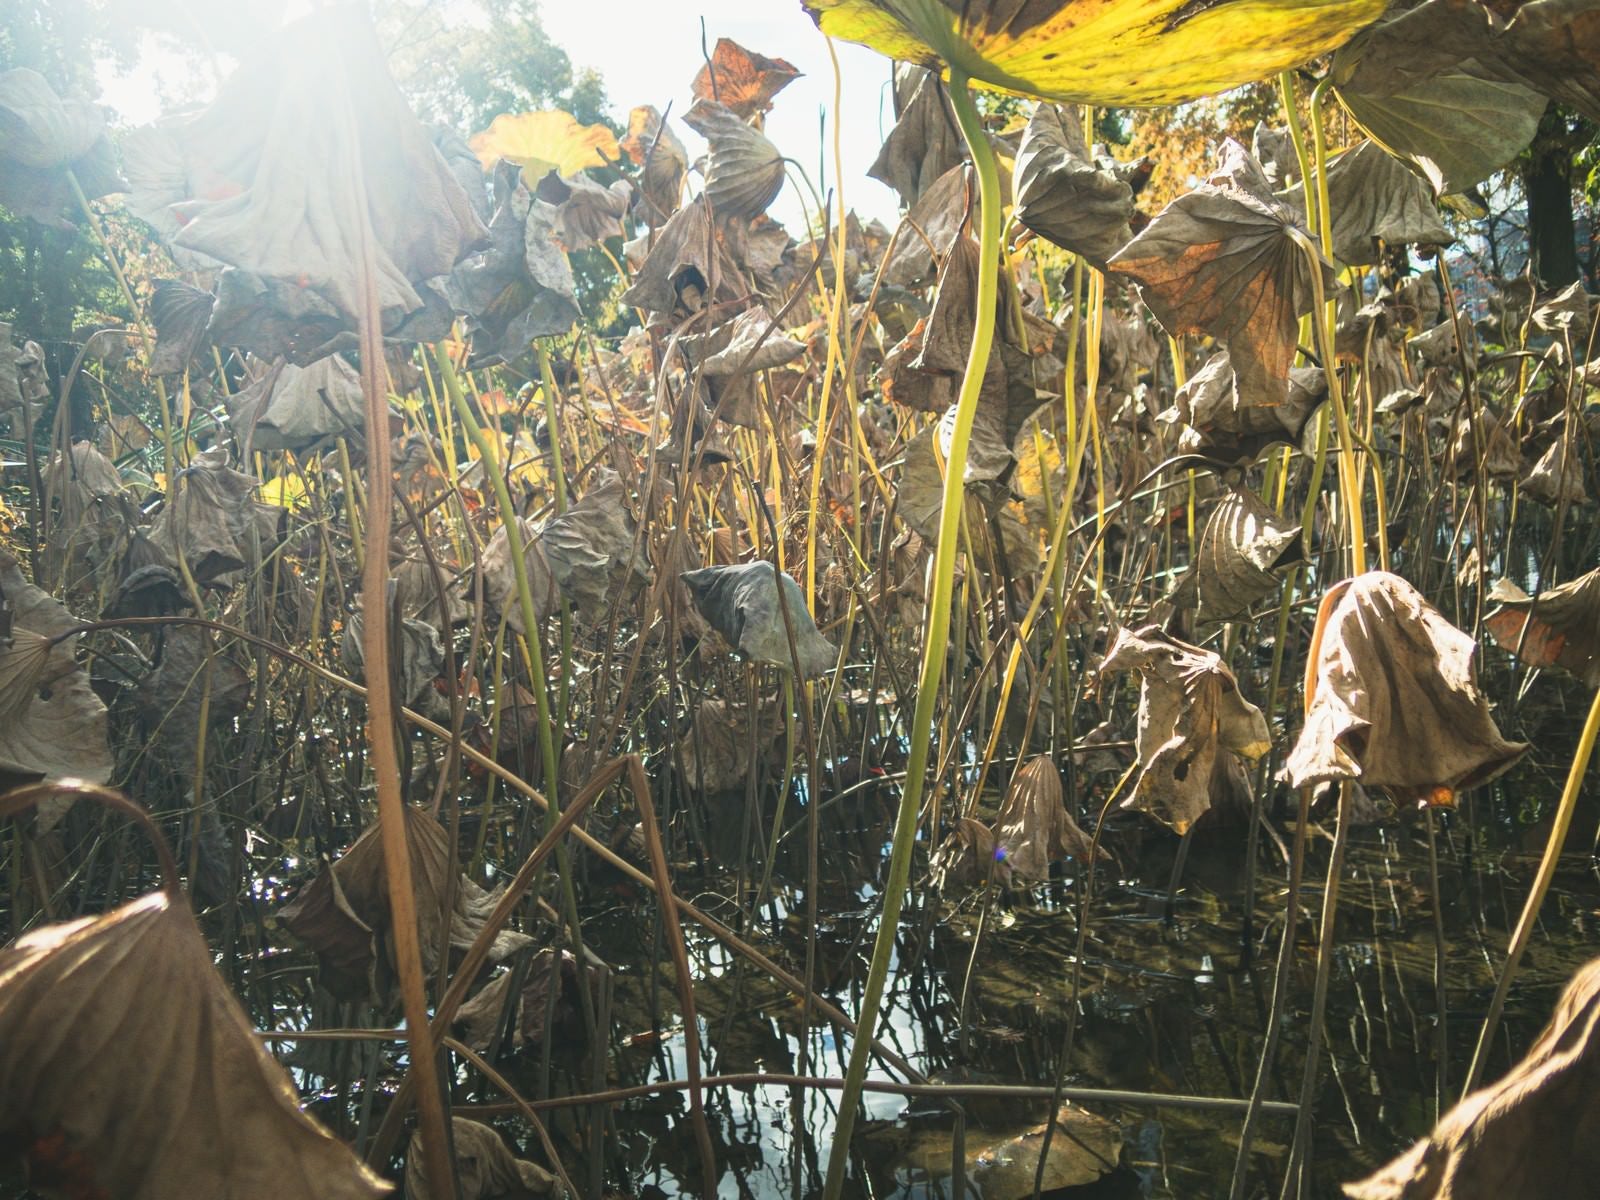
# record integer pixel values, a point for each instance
(466, 66)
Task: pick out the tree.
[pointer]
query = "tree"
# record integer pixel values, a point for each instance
(1547, 170)
(465, 67)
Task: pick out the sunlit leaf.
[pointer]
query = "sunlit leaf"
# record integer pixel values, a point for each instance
(1119, 52)
(1223, 260)
(1395, 702)
(545, 141)
(1559, 628)
(1374, 200)
(1192, 723)
(741, 79)
(746, 171)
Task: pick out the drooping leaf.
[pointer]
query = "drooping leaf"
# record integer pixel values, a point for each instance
(1192, 722)
(742, 604)
(714, 751)
(192, 674)
(592, 550)
(52, 725)
(270, 168)
(746, 171)
(416, 656)
(485, 1167)
(1395, 701)
(1243, 545)
(213, 520)
(343, 914)
(1426, 84)
(685, 265)
(43, 138)
(742, 80)
(97, 1012)
(1558, 477)
(586, 213)
(932, 226)
(662, 161)
(180, 313)
(1567, 311)
(731, 357)
(545, 141)
(1558, 628)
(1374, 200)
(1119, 52)
(521, 287)
(925, 141)
(1222, 426)
(1223, 260)
(1533, 1132)
(1067, 198)
(1034, 828)
(966, 856)
(294, 408)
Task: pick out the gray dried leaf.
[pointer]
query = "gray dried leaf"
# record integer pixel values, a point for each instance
(925, 142)
(212, 519)
(43, 137)
(294, 408)
(52, 725)
(741, 603)
(1376, 201)
(1064, 196)
(745, 172)
(343, 914)
(1034, 828)
(271, 143)
(192, 674)
(420, 652)
(485, 1168)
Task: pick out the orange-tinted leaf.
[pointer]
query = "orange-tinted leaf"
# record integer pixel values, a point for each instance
(741, 79)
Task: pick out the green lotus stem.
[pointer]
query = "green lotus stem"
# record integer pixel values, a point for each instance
(936, 640)
(1541, 885)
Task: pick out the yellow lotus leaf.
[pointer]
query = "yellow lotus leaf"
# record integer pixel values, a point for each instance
(541, 142)
(1139, 52)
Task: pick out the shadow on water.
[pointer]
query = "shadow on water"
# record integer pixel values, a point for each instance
(1170, 998)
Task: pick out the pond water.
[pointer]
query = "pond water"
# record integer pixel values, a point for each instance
(1169, 1002)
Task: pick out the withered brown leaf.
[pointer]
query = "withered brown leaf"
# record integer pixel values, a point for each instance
(1192, 722)
(1535, 1132)
(741, 79)
(99, 1015)
(1395, 701)
(1558, 628)
(1223, 260)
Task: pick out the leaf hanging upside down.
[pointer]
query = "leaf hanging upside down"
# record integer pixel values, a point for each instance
(1067, 198)
(487, 1170)
(1394, 699)
(742, 604)
(1224, 260)
(99, 1015)
(1558, 628)
(1034, 828)
(344, 915)
(1192, 724)
(746, 171)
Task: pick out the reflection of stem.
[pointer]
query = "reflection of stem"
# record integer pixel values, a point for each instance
(1541, 885)
(937, 633)
(1319, 995)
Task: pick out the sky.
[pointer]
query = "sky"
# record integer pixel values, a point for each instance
(648, 52)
